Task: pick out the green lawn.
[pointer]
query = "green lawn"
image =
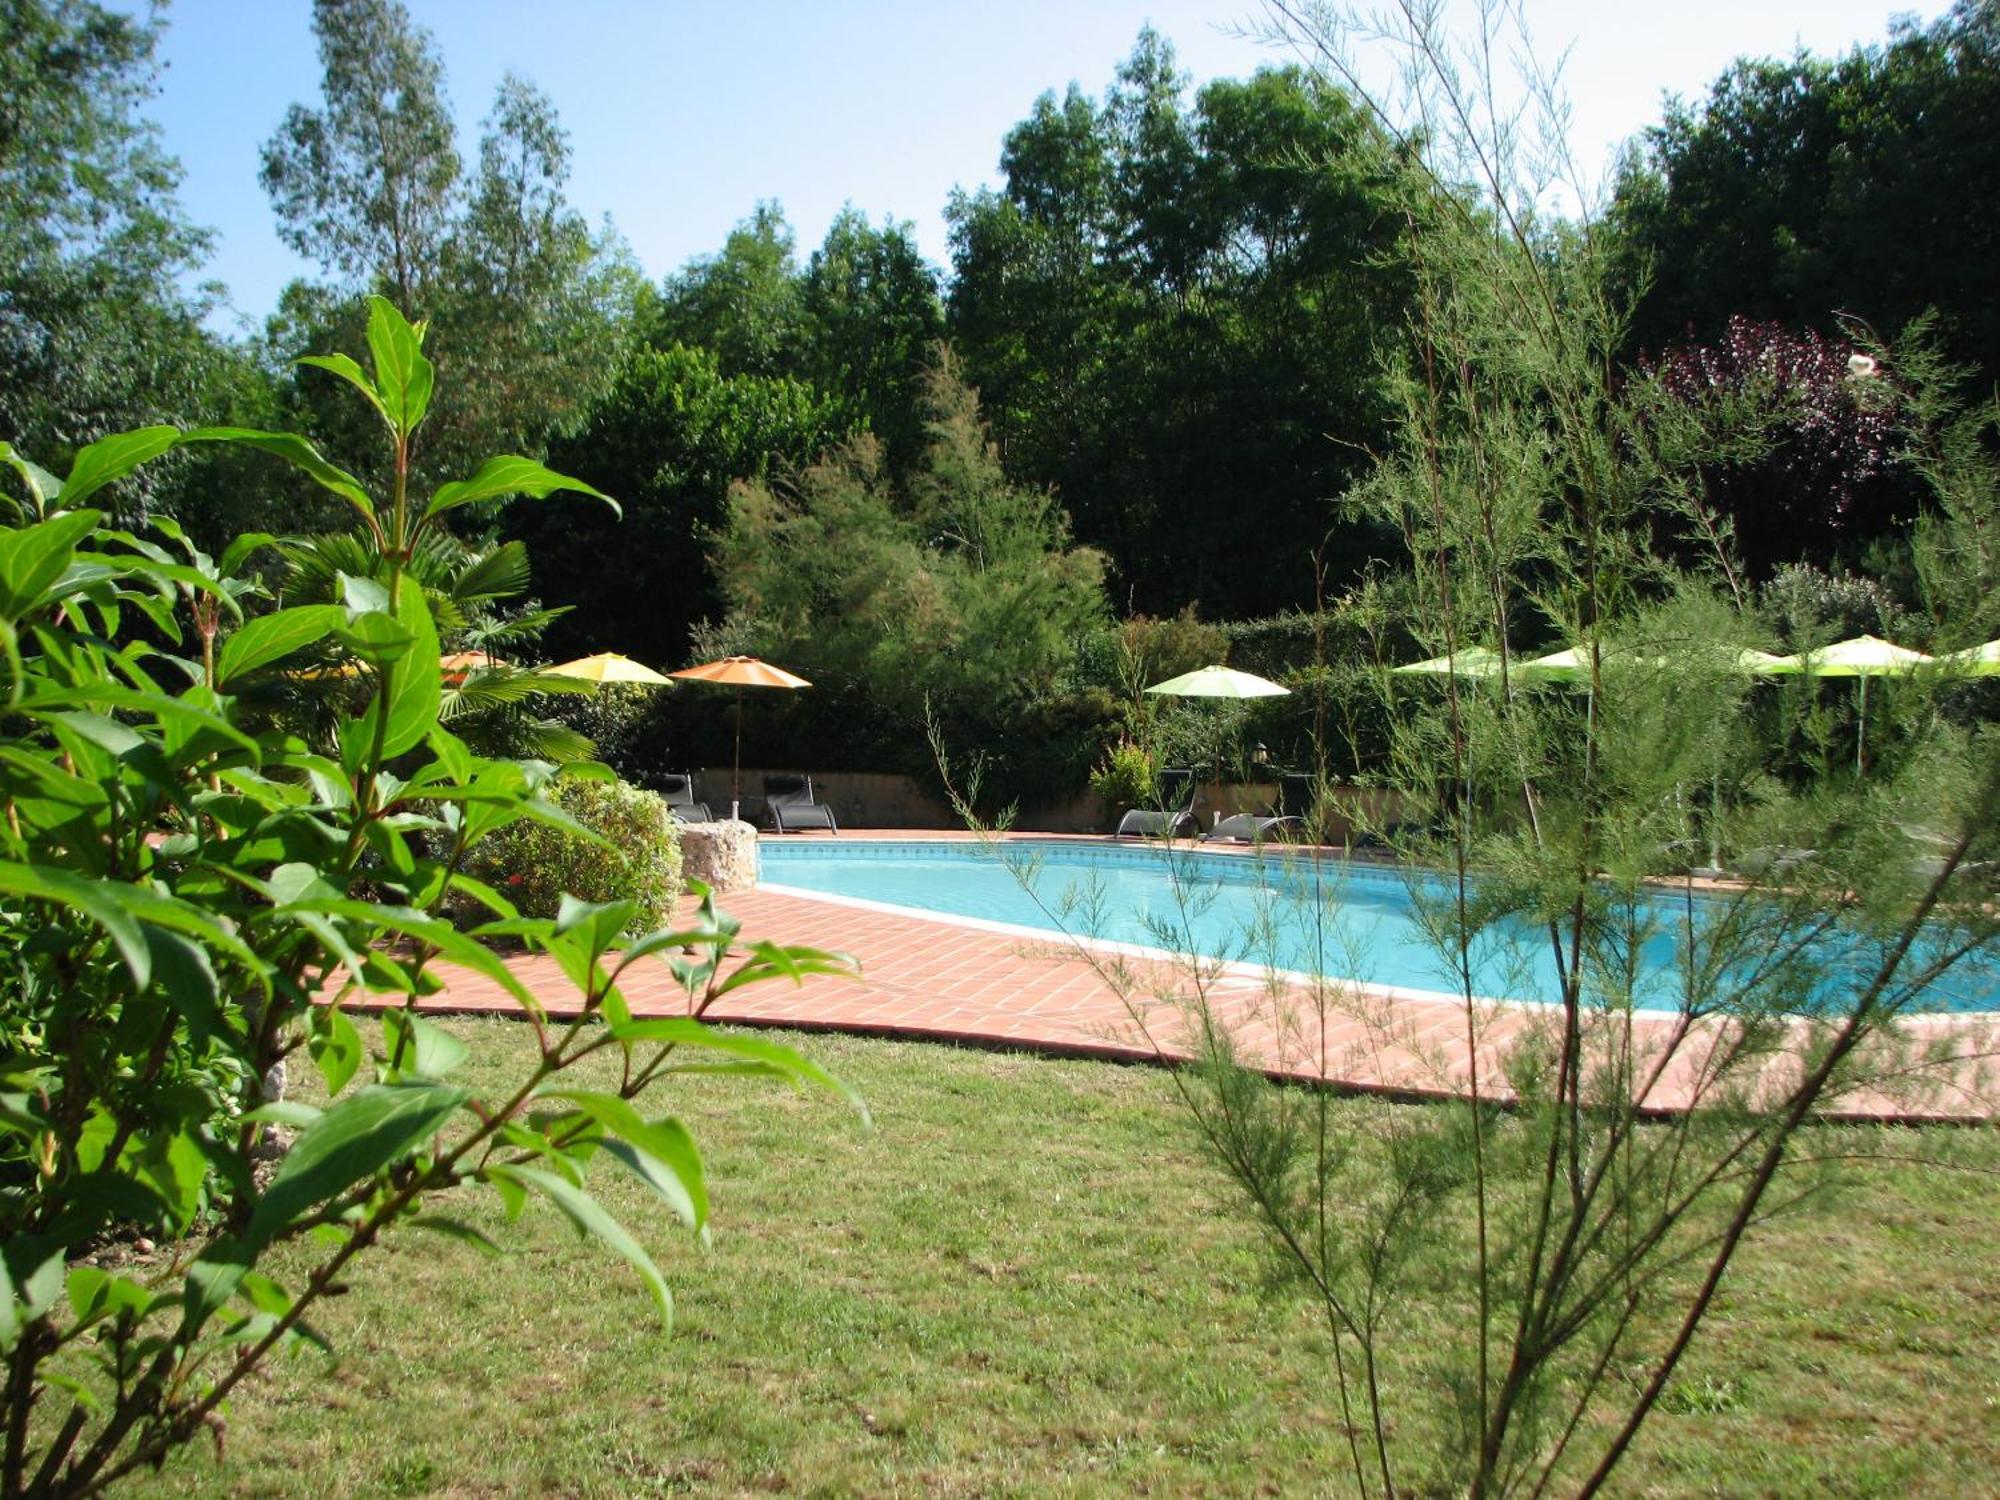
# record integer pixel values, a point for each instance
(1024, 1280)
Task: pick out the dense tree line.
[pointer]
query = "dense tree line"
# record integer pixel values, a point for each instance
(1170, 310)
(1802, 190)
(1165, 317)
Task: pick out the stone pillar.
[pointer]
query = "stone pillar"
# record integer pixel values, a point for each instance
(724, 854)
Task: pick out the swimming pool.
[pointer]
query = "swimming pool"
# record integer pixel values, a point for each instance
(1275, 911)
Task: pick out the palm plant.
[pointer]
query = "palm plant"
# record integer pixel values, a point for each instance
(473, 589)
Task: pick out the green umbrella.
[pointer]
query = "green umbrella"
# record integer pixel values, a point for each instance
(1574, 664)
(1473, 661)
(1864, 657)
(1218, 682)
(1975, 661)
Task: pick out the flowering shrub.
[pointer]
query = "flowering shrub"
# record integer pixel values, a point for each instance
(1825, 471)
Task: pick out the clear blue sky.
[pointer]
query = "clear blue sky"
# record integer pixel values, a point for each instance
(684, 114)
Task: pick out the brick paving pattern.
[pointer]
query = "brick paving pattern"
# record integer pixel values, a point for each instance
(931, 978)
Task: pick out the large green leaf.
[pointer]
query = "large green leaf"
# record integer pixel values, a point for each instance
(376, 638)
(33, 558)
(273, 637)
(296, 451)
(590, 1219)
(345, 367)
(357, 1137)
(31, 1279)
(670, 1162)
(425, 1049)
(685, 1031)
(415, 685)
(240, 551)
(112, 458)
(335, 1047)
(102, 693)
(42, 485)
(403, 377)
(508, 474)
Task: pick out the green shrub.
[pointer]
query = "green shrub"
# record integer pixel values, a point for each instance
(537, 864)
(183, 881)
(1124, 778)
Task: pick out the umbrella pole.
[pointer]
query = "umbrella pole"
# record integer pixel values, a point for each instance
(736, 780)
(1861, 729)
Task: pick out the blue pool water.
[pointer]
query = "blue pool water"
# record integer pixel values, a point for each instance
(1345, 920)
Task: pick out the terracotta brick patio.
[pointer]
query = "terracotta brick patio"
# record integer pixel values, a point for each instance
(930, 977)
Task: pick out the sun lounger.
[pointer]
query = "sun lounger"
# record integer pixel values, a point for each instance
(789, 802)
(1773, 862)
(678, 788)
(1245, 828)
(1173, 818)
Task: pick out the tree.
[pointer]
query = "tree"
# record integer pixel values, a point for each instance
(1169, 312)
(1823, 475)
(669, 438)
(96, 331)
(1803, 190)
(533, 308)
(952, 596)
(529, 308)
(743, 303)
(368, 185)
(872, 324)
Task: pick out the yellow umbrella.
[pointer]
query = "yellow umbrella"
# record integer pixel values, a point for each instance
(741, 672)
(606, 666)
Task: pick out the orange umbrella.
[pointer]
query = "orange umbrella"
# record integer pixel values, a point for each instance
(741, 672)
(455, 665)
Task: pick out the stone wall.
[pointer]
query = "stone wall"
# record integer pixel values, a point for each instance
(865, 799)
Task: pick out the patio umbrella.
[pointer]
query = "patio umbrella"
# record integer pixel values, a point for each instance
(1219, 682)
(606, 666)
(741, 672)
(1864, 657)
(1574, 664)
(456, 665)
(1975, 661)
(1473, 661)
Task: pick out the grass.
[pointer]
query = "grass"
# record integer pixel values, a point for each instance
(1024, 1280)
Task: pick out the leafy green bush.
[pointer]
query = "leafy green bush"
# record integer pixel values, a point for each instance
(635, 855)
(1124, 778)
(189, 894)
